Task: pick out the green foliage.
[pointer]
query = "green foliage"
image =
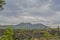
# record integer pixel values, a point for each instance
(8, 34)
(2, 2)
(35, 34)
(47, 35)
(9, 31)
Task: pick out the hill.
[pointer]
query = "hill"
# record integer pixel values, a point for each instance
(26, 26)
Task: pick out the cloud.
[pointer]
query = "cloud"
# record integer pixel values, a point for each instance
(55, 5)
(33, 11)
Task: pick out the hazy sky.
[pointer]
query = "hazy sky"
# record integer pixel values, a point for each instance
(33, 11)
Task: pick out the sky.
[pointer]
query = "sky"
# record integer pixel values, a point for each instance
(31, 11)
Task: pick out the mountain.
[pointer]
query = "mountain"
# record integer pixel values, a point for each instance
(26, 26)
(31, 26)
